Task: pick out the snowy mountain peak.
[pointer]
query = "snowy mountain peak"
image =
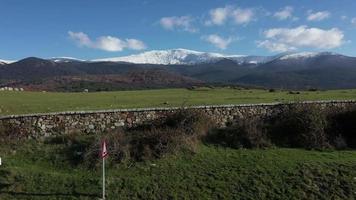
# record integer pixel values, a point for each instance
(172, 56)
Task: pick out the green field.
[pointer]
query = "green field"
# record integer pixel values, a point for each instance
(39, 171)
(38, 102)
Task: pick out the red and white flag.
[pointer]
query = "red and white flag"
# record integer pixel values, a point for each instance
(104, 151)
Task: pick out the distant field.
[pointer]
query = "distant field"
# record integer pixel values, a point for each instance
(38, 102)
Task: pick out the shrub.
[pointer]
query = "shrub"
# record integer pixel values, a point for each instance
(75, 146)
(300, 126)
(134, 146)
(245, 133)
(344, 125)
(181, 131)
(339, 142)
(191, 122)
(156, 143)
(10, 134)
(7, 178)
(117, 144)
(292, 92)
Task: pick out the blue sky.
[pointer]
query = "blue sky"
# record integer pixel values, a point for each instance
(90, 29)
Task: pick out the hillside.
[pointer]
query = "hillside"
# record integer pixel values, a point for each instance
(36, 74)
(322, 70)
(327, 70)
(135, 79)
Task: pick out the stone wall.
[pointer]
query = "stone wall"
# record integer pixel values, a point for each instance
(39, 125)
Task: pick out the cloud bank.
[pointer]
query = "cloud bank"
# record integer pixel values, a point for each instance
(284, 39)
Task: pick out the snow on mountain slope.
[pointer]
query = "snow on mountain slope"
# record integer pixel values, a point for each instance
(255, 60)
(65, 59)
(3, 62)
(305, 55)
(173, 56)
(189, 57)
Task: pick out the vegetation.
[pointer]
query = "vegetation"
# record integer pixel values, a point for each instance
(302, 126)
(40, 102)
(299, 126)
(343, 127)
(38, 171)
(185, 157)
(182, 131)
(244, 133)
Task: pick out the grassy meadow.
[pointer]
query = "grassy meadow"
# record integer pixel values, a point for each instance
(38, 171)
(39, 102)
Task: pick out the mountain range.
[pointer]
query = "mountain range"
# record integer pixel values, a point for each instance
(181, 68)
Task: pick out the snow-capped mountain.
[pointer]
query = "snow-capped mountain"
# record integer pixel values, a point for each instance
(288, 70)
(168, 57)
(190, 57)
(183, 56)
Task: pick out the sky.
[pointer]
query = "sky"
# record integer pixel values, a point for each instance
(89, 29)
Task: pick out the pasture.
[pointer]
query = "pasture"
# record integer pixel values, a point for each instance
(43, 102)
(39, 171)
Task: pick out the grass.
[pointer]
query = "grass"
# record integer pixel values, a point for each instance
(39, 102)
(35, 170)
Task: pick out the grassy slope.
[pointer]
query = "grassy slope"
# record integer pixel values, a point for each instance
(212, 173)
(35, 102)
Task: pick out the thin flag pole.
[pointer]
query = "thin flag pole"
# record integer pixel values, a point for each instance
(103, 155)
(103, 178)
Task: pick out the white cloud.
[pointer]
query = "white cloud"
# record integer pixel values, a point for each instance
(109, 43)
(106, 43)
(217, 41)
(285, 13)
(343, 17)
(219, 16)
(275, 46)
(135, 44)
(353, 21)
(318, 16)
(81, 38)
(284, 39)
(243, 16)
(180, 23)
